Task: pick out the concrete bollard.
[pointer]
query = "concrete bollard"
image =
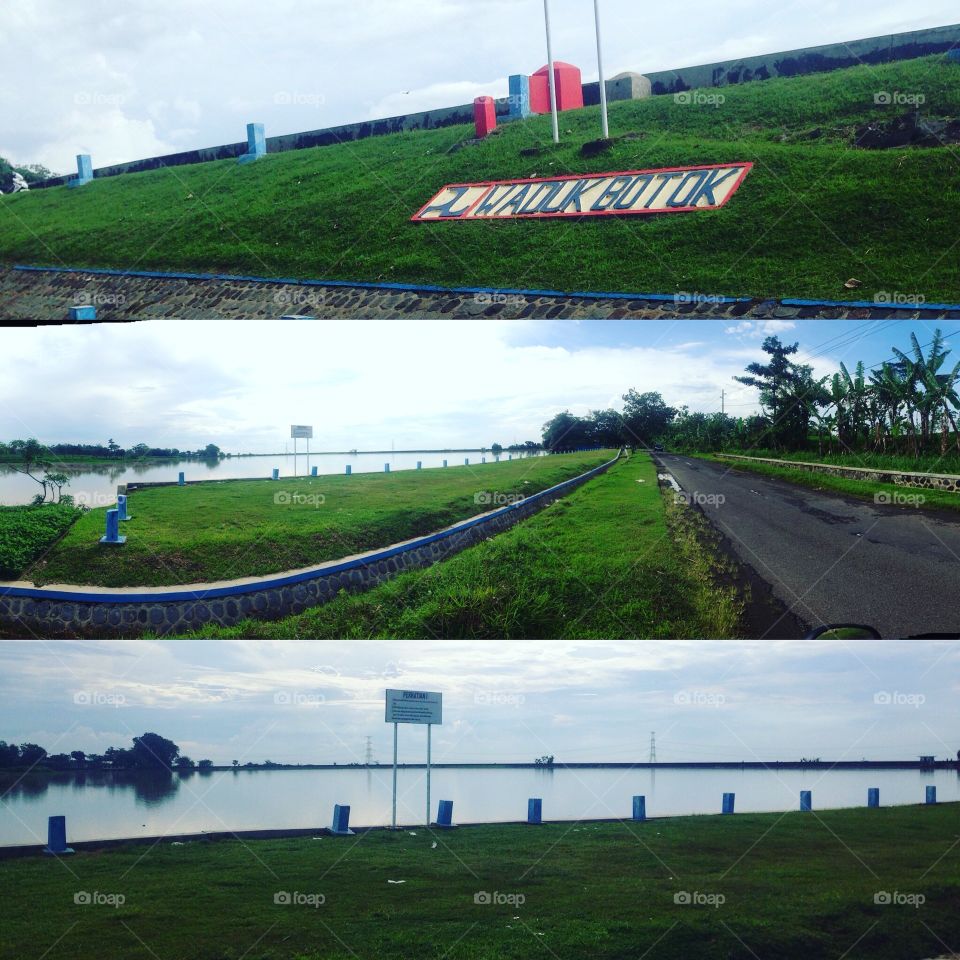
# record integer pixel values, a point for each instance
(122, 506)
(313, 471)
(444, 462)
(639, 808)
(510, 456)
(806, 801)
(386, 468)
(276, 473)
(86, 312)
(349, 469)
(873, 796)
(419, 464)
(57, 836)
(484, 116)
(954, 55)
(483, 459)
(256, 143)
(466, 461)
(84, 171)
(728, 799)
(112, 535)
(534, 810)
(931, 795)
(445, 815)
(497, 458)
(180, 480)
(519, 96)
(341, 821)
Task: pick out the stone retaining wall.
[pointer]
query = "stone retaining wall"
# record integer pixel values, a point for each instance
(84, 612)
(928, 481)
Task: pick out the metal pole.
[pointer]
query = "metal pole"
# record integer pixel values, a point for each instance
(551, 78)
(294, 456)
(394, 821)
(429, 730)
(603, 85)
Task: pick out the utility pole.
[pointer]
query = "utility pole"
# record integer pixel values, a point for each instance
(722, 399)
(653, 747)
(369, 759)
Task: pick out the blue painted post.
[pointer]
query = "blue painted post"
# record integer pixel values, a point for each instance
(483, 459)
(954, 55)
(349, 469)
(57, 836)
(86, 312)
(806, 801)
(534, 810)
(497, 458)
(341, 821)
(386, 468)
(419, 464)
(639, 808)
(873, 796)
(84, 171)
(444, 462)
(519, 96)
(728, 799)
(112, 535)
(180, 480)
(276, 473)
(509, 456)
(931, 794)
(256, 143)
(466, 461)
(122, 506)
(445, 815)
(313, 471)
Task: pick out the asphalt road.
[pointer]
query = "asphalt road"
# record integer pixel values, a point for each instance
(833, 559)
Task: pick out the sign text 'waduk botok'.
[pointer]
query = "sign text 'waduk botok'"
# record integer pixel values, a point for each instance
(671, 190)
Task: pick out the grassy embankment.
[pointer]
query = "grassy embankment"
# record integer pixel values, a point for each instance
(814, 212)
(792, 885)
(616, 558)
(216, 531)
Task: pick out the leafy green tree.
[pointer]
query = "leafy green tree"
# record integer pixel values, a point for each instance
(152, 750)
(565, 432)
(646, 418)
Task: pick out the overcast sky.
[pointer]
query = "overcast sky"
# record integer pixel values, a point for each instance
(296, 701)
(369, 384)
(141, 78)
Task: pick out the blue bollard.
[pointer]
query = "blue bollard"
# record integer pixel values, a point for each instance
(87, 312)
(873, 796)
(534, 810)
(954, 55)
(386, 468)
(341, 821)
(806, 801)
(483, 459)
(419, 464)
(497, 458)
(276, 473)
(112, 535)
(466, 461)
(519, 87)
(349, 469)
(445, 815)
(510, 456)
(122, 506)
(256, 143)
(931, 794)
(313, 471)
(57, 836)
(639, 808)
(84, 171)
(180, 480)
(728, 799)
(444, 462)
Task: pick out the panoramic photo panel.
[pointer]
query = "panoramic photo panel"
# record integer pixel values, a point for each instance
(501, 479)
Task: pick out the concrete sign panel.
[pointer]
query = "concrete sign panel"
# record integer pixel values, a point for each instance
(414, 706)
(669, 190)
(301, 433)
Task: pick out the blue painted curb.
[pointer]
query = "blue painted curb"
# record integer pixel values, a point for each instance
(871, 305)
(268, 583)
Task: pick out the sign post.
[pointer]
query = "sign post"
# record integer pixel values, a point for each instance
(551, 77)
(412, 706)
(303, 433)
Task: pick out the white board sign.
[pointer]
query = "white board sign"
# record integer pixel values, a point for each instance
(301, 433)
(414, 706)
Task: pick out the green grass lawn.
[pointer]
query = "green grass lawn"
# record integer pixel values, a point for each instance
(215, 531)
(792, 886)
(613, 559)
(26, 532)
(925, 463)
(814, 212)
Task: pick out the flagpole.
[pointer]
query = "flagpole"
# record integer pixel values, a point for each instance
(550, 76)
(603, 85)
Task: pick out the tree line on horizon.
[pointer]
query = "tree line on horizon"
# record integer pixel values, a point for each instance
(907, 405)
(149, 752)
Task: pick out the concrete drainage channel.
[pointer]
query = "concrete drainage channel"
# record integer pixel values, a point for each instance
(94, 611)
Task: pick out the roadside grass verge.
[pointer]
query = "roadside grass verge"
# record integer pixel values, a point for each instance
(602, 562)
(26, 532)
(926, 463)
(784, 886)
(862, 489)
(245, 528)
(814, 212)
